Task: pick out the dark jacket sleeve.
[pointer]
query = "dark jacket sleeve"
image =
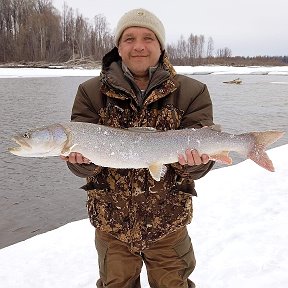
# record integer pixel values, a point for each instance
(84, 170)
(198, 113)
(85, 109)
(87, 102)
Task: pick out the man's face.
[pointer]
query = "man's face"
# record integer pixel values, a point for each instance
(139, 49)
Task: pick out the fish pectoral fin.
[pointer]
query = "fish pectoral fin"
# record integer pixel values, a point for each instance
(216, 127)
(157, 170)
(222, 157)
(67, 150)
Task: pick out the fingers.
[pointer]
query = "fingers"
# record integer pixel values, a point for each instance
(205, 158)
(192, 157)
(182, 160)
(75, 158)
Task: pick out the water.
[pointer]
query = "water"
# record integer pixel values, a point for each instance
(38, 195)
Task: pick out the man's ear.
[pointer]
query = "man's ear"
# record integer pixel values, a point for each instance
(119, 51)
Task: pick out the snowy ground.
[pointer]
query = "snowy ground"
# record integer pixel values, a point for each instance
(239, 234)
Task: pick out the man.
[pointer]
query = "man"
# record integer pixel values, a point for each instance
(138, 219)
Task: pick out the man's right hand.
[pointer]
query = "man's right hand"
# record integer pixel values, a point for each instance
(75, 158)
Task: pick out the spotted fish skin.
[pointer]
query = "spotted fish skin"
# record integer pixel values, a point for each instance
(141, 147)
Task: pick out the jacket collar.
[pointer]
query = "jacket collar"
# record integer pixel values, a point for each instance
(128, 72)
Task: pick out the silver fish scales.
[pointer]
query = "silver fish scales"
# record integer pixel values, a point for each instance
(141, 147)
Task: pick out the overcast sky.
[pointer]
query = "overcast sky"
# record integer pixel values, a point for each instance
(247, 27)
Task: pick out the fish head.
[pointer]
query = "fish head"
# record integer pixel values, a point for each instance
(40, 142)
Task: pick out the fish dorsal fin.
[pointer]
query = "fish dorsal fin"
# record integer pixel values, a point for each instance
(142, 129)
(157, 170)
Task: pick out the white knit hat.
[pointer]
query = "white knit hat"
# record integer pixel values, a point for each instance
(141, 18)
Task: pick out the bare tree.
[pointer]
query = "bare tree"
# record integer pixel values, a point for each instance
(210, 48)
(102, 39)
(200, 47)
(224, 52)
(182, 50)
(191, 49)
(80, 35)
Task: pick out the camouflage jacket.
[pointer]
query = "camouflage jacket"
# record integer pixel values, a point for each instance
(128, 203)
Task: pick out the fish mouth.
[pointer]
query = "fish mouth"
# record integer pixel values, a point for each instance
(23, 145)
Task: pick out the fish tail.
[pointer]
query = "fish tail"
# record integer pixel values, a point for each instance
(261, 141)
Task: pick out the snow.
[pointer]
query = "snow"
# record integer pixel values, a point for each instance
(239, 233)
(46, 72)
(203, 70)
(216, 70)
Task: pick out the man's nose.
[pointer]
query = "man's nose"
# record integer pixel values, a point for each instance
(139, 46)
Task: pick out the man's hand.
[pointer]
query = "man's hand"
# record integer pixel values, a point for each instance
(75, 158)
(192, 157)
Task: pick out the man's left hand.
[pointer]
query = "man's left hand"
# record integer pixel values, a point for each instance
(192, 157)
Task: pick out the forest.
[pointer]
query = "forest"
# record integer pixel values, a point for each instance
(34, 32)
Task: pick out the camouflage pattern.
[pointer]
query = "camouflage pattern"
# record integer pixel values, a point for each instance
(128, 203)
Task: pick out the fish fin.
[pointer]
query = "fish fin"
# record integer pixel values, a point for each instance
(262, 141)
(215, 127)
(67, 150)
(142, 129)
(222, 157)
(157, 170)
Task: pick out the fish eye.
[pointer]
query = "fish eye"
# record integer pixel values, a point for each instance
(26, 135)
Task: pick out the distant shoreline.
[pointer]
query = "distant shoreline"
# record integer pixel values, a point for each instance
(68, 65)
(97, 65)
(14, 70)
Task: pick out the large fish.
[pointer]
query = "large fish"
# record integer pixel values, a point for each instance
(141, 147)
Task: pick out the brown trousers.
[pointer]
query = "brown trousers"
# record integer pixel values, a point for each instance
(169, 262)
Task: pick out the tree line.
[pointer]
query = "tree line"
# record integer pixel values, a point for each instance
(35, 31)
(192, 51)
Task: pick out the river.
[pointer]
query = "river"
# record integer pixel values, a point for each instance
(38, 195)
